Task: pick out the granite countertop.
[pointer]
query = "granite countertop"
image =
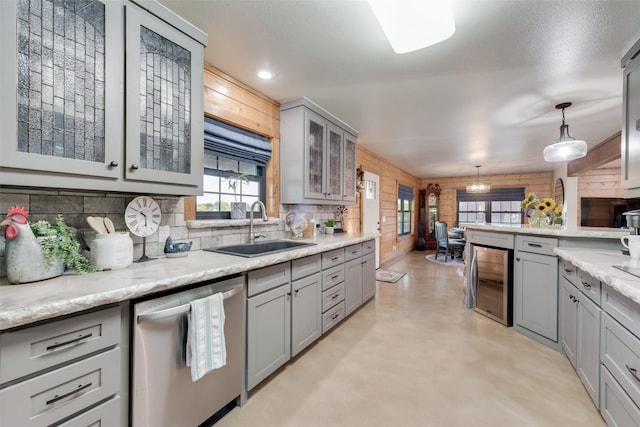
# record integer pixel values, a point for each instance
(599, 264)
(71, 293)
(554, 230)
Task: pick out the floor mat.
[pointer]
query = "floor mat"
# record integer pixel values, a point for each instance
(388, 275)
(455, 262)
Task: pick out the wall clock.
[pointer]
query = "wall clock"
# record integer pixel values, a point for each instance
(142, 217)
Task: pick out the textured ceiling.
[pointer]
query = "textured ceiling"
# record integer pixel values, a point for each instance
(484, 97)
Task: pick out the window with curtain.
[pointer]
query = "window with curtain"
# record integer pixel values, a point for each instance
(231, 151)
(405, 204)
(499, 206)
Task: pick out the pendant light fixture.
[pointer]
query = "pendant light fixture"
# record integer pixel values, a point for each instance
(414, 24)
(478, 187)
(566, 147)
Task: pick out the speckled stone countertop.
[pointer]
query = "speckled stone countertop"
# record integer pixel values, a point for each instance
(599, 264)
(71, 293)
(555, 230)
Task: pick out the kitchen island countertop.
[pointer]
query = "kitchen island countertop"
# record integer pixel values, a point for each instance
(599, 264)
(554, 230)
(71, 293)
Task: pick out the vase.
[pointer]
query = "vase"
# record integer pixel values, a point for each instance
(329, 230)
(538, 220)
(238, 210)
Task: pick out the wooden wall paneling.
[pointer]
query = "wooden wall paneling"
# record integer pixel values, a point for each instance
(602, 182)
(233, 102)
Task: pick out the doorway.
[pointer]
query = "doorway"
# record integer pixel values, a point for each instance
(371, 208)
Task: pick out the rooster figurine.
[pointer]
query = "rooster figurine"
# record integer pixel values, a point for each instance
(23, 251)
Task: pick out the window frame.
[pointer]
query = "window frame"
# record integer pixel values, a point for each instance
(405, 207)
(495, 195)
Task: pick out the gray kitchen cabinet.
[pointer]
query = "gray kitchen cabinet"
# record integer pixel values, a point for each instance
(67, 369)
(631, 120)
(368, 270)
(588, 346)
(73, 125)
(268, 321)
(620, 357)
(536, 289)
(268, 333)
(333, 289)
(284, 314)
(306, 312)
(569, 310)
(353, 285)
(319, 151)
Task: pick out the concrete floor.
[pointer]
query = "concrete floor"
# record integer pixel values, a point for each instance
(415, 356)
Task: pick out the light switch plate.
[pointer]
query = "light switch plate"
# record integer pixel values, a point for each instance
(163, 233)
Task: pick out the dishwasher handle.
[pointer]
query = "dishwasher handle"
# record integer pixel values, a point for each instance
(181, 309)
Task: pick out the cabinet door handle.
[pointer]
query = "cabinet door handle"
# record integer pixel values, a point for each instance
(296, 291)
(633, 372)
(71, 341)
(60, 397)
(534, 245)
(517, 259)
(113, 164)
(571, 297)
(135, 166)
(586, 285)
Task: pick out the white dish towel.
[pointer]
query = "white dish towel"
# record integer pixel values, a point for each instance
(206, 348)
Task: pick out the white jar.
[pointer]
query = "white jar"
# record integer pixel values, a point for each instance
(112, 251)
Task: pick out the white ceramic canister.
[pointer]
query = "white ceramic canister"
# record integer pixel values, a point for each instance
(112, 251)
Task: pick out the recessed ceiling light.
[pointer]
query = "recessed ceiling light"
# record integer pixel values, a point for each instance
(265, 74)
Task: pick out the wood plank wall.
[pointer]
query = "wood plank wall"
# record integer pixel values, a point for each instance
(231, 101)
(603, 182)
(540, 183)
(391, 246)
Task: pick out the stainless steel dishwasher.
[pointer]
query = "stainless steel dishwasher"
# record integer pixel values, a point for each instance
(162, 392)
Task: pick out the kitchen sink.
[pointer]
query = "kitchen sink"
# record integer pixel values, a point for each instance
(250, 250)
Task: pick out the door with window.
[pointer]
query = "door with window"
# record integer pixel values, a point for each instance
(371, 209)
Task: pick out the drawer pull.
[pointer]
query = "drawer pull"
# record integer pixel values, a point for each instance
(354, 252)
(633, 372)
(534, 245)
(71, 341)
(568, 270)
(335, 296)
(586, 285)
(334, 277)
(57, 398)
(335, 316)
(335, 258)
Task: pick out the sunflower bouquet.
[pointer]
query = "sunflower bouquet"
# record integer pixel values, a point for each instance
(542, 211)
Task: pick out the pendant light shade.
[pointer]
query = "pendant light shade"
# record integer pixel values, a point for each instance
(478, 187)
(566, 147)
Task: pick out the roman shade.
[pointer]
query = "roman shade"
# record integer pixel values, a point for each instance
(495, 195)
(221, 139)
(405, 193)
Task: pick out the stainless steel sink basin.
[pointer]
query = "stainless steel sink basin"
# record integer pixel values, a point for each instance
(250, 250)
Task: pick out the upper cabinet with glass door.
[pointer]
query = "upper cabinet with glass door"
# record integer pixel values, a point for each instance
(317, 156)
(631, 122)
(64, 73)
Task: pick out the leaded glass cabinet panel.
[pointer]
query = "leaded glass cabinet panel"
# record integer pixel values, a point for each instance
(164, 71)
(334, 164)
(315, 133)
(60, 79)
(349, 172)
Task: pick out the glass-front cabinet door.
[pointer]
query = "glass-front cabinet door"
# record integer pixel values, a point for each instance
(61, 86)
(334, 163)
(349, 170)
(315, 134)
(164, 101)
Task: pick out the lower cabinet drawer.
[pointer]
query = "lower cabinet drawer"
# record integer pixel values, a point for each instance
(569, 271)
(590, 286)
(268, 278)
(332, 296)
(368, 247)
(620, 353)
(353, 252)
(332, 277)
(59, 394)
(332, 317)
(616, 407)
(33, 349)
(106, 414)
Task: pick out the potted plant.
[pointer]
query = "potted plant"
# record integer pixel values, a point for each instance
(329, 224)
(238, 209)
(38, 250)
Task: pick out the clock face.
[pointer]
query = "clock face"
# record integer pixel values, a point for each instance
(142, 216)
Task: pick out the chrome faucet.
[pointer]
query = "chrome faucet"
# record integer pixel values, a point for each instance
(253, 237)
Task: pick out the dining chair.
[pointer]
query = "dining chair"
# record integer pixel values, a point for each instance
(446, 244)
